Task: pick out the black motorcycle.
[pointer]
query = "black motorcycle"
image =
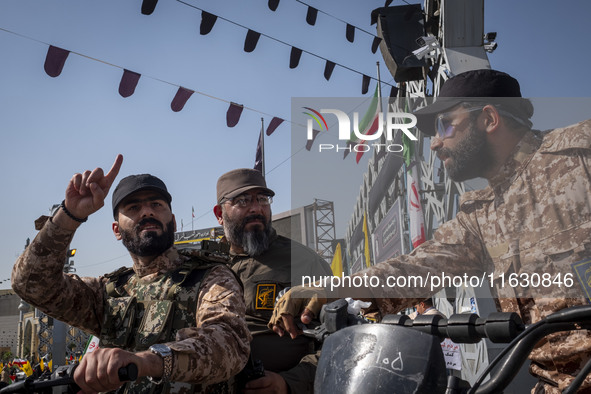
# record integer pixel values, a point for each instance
(400, 355)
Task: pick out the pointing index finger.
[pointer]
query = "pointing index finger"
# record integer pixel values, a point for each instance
(112, 174)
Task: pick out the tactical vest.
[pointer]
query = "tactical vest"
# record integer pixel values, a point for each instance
(138, 315)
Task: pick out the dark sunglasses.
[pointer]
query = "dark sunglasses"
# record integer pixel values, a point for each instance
(443, 123)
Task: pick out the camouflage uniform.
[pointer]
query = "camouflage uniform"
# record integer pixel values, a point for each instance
(535, 216)
(264, 277)
(210, 343)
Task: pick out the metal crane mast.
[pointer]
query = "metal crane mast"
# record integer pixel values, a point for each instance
(446, 38)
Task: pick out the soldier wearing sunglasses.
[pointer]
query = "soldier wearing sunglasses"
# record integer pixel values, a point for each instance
(534, 217)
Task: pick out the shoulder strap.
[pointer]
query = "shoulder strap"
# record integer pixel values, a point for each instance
(116, 280)
(189, 274)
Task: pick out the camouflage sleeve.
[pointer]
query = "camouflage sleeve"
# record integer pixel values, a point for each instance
(456, 250)
(38, 278)
(217, 348)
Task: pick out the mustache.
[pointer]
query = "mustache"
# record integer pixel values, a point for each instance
(251, 218)
(146, 221)
(443, 153)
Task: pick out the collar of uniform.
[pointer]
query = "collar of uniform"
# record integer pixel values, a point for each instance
(167, 261)
(522, 154)
(237, 256)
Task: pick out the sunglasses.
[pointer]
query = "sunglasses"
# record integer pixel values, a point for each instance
(443, 123)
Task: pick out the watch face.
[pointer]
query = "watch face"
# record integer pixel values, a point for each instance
(161, 349)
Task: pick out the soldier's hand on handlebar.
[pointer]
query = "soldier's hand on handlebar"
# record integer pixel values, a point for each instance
(293, 304)
(98, 371)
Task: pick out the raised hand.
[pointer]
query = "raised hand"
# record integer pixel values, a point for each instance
(86, 192)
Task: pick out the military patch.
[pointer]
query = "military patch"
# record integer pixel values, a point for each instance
(266, 296)
(583, 273)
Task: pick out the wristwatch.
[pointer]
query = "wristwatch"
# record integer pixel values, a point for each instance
(166, 353)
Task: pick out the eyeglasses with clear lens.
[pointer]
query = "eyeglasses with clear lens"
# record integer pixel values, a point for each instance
(247, 199)
(443, 123)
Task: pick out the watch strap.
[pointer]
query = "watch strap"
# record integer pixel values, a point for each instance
(167, 365)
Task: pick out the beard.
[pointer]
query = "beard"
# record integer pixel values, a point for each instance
(470, 158)
(150, 243)
(255, 241)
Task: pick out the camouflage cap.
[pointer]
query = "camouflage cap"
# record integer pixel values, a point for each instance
(236, 182)
(135, 183)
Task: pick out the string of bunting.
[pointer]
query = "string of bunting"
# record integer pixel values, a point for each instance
(148, 7)
(56, 58)
(208, 21)
(55, 61)
(312, 14)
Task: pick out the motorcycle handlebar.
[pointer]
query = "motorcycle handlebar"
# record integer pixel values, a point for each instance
(64, 376)
(498, 327)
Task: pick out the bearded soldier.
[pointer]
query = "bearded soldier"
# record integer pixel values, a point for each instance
(179, 318)
(267, 264)
(534, 217)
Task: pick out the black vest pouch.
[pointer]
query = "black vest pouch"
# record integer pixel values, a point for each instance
(156, 323)
(116, 330)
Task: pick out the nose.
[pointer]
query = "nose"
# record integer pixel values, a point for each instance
(254, 206)
(436, 143)
(146, 210)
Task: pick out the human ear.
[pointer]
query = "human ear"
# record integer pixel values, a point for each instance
(217, 211)
(116, 231)
(490, 118)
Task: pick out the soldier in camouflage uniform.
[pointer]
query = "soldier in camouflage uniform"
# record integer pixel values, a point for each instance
(534, 217)
(267, 264)
(179, 318)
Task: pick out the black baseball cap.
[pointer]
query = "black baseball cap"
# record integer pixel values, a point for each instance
(483, 85)
(135, 183)
(236, 182)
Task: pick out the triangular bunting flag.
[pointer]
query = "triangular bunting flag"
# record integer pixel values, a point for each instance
(310, 142)
(273, 4)
(375, 44)
(311, 15)
(275, 122)
(350, 34)
(252, 38)
(128, 83)
(207, 22)
(148, 6)
(394, 91)
(180, 99)
(233, 114)
(294, 58)
(328, 68)
(365, 84)
(55, 60)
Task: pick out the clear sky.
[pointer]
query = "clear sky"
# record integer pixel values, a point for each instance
(52, 128)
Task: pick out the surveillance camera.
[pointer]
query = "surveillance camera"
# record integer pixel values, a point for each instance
(428, 44)
(426, 41)
(490, 47)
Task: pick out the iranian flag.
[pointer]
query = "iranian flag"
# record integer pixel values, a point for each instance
(415, 211)
(368, 125)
